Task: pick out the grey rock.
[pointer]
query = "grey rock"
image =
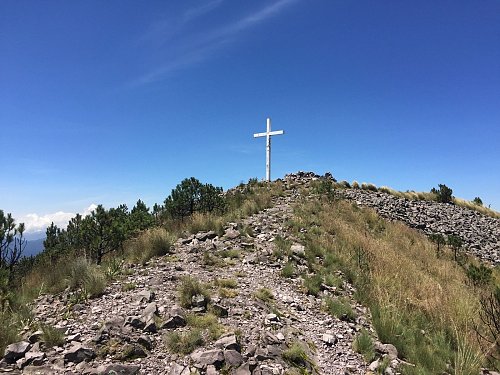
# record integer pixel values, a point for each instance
(220, 310)
(145, 296)
(329, 339)
(34, 358)
(203, 236)
(208, 357)
(78, 353)
(244, 369)
(228, 342)
(135, 322)
(233, 358)
(15, 351)
(117, 369)
(211, 370)
(35, 336)
(174, 322)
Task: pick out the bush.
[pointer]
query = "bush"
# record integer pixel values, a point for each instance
(477, 201)
(288, 270)
(444, 194)
(296, 355)
(192, 196)
(479, 275)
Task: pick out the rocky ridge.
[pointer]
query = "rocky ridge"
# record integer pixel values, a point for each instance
(122, 331)
(480, 233)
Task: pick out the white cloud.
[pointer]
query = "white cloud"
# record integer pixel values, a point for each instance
(196, 48)
(38, 223)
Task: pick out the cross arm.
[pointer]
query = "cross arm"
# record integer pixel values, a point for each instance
(277, 132)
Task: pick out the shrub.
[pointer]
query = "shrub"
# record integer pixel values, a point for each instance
(208, 323)
(363, 344)
(355, 185)
(479, 275)
(477, 201)
(444, 194)
(368, 186)
(456, 243)
(192, 196)
(282, 247)
(226, 283)
(190, 287)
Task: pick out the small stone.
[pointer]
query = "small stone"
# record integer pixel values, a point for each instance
(374, 365)
(329, 339)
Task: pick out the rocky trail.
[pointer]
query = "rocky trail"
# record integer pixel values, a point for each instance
(255, 319)
(122, 331)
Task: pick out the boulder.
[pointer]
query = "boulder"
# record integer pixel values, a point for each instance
(15, 351)
(208, 357)
(228, 342)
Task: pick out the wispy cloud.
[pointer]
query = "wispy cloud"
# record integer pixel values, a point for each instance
(191, 49)
(199, 11)
(38, 223)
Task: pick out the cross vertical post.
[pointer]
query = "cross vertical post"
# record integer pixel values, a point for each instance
(268, 135)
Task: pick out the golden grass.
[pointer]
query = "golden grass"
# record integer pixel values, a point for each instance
(396, 272)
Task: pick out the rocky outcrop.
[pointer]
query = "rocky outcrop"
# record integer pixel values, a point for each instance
(480, 233)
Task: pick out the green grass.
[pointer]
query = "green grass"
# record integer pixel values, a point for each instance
(288, 270)
(190, 287)
(363, 344)
(208, 323)
(183, 342)
(339, 308)
(312, 284)
(296, 356)
(415, 298)
(52, 336)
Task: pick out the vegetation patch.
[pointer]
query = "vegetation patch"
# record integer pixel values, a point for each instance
(183, 342)
(363, 344)
(264, 294)
(190, 287)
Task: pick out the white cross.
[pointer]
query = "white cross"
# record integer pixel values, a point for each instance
(268, 135)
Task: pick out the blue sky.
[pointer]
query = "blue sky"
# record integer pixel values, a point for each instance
(112, 101)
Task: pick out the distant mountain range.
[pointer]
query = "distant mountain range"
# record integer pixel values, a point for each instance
(33, 247)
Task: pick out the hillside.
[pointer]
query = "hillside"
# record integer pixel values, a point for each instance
(299, 287)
